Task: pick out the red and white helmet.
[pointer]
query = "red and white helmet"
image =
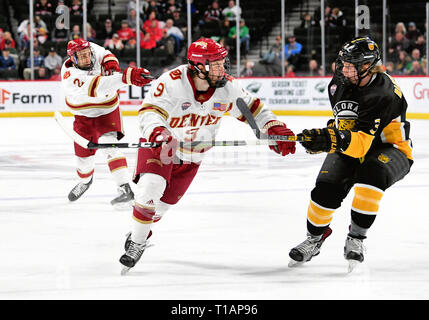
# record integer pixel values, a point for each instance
(203, 51)
(76, 45)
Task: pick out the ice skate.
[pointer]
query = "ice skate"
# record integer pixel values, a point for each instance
(125, 199)
(132, 255)
(128, 240)
(79, 190)
(307, 249)
(353, 252)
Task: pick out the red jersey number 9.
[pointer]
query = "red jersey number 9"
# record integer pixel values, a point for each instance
(159, 90)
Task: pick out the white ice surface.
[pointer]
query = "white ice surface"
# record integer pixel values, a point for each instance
(228, 238)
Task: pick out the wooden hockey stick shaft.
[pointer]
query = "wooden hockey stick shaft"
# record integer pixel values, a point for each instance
(85, 143)
(245, 111)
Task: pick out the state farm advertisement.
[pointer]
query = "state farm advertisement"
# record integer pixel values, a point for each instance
(300, 93)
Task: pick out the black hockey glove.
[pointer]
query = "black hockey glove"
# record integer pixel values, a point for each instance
(325, 140)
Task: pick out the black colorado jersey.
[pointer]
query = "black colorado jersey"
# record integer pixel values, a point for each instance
(375, 114)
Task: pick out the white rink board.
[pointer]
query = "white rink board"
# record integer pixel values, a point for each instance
(300, 93)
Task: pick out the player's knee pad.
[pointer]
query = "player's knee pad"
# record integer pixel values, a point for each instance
(85, 168)
(383, 168)
(328, 195)
(150, 189)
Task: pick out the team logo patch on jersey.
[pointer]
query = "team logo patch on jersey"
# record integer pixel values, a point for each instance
(383, 158)
(66, 74)
(186, 105)
(201, 43)
(346, 124)
(219, 106)
(332, 89)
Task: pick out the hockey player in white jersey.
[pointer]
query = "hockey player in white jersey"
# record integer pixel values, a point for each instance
(90, 80)
(185, 104)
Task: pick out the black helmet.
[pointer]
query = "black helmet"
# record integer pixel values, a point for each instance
(359, 52)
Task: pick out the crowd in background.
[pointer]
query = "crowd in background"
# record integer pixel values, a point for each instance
(163, 30)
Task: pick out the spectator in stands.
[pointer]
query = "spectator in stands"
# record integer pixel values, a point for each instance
(53, 60)
(131, 44)
(125, 33)
(151, 17)
(167, 9)
(290, 71)
(224, 28)
(43, 8)
(314, 69)
(42, 74)
(37, 46)
(398, 44)
(306, 21)
(25, 37)
(248, 69)
(273, 54)
(337, 19)
(327, 15)
(6, 61)
(115, 43)
(415, 56)
(1, 34)
(24, 25)
(154, 30)
(12, 49)
(56, 75)
(90, 32)
(60, 10)
(179, 22)
(244, 35)
(76, 8)
(293, 50)
(401, 63)
(107, 31)
(400, 27)
(412, 32)
(38, 60)
(420, 44)
(133, 5)
(7, 38)
(173, 31)
(147, 42)
(416, 69)
(231, 11)
(132, 20)
(42, 36)
(75, 34)
(60, 33)
(153, 6)
(166, 43)
(213, 13)
(39, 23)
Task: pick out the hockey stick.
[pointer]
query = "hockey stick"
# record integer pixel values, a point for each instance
(85, 143)
(245, 111)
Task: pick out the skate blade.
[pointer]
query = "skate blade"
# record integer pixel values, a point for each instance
(352, 265)
(294, 264)
(123, 206)
(125, 270)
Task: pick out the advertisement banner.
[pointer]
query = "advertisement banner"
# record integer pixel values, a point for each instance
(299, 94)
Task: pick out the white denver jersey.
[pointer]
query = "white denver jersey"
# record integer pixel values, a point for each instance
(174, 103)
(89, 93)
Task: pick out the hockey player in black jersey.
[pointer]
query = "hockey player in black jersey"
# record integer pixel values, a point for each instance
(368, 148)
